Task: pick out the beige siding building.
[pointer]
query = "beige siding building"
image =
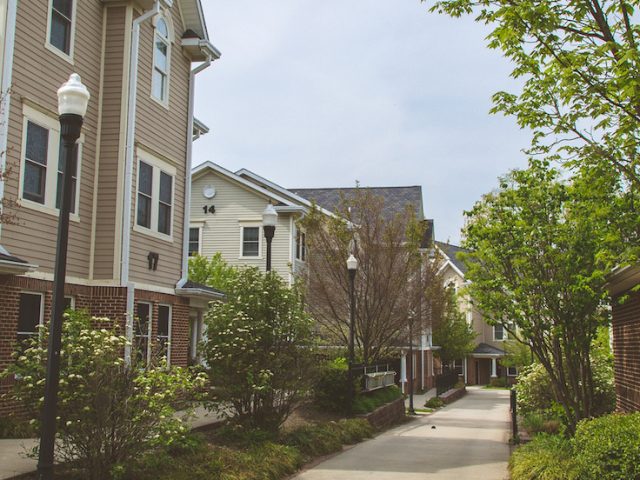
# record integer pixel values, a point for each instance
(483, 364)
(226, 217)
(127, 239)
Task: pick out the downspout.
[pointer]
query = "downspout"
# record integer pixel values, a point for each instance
(187, 177)
(5, 104)
(128, 172)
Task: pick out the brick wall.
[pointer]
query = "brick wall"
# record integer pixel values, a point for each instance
(626, 349)
(386, 415)
(107, 302)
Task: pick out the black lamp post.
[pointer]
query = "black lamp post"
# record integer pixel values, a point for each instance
(73, 98)
(269, 220)
(352, 267)
(411, 409)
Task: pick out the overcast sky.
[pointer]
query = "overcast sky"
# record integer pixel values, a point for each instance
(326, 92)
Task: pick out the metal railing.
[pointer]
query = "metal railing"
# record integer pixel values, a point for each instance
(445, 381)
(373, 377)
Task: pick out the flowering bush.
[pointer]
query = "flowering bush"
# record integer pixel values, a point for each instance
(108, 412)
(259, 349)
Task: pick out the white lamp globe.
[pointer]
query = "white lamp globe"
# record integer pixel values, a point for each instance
(352, 263)
(73, 97)
(269, 216)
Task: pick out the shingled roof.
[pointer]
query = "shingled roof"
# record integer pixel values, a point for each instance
(452, 251)
(395, 198)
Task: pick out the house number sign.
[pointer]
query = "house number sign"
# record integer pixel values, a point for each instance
(209, 208)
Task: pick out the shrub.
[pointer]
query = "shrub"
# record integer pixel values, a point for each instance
(330, 391)
(108, 413)
(535, 422)
(546, 457)
(608, 447)
(12, 427)
(366, 402)
(434, 402)
(499, 382)
(535, 393)
(259, 349)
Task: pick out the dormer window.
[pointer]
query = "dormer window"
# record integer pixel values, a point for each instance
(161, 51)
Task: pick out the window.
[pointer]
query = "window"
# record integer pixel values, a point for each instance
(512, 371)
(61, 23)
(154, 211)
(161, 50)
(29, 315)
(301, 246)
(194, 241)
(499, 333)
(250, 241)
(141, 334)
(164, 331)
(458, 366)
(43, 165)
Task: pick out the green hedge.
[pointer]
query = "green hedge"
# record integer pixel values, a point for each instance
(605, 448)
(369, 401)
(330, 391)
(608, 448)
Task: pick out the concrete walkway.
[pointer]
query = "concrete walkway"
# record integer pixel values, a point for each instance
(465, 440)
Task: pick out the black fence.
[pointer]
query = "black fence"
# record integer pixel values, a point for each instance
(445, 381)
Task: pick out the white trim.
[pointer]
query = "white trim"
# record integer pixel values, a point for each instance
(5, 93)
(169, 326)
(52, 48)
(203, 167)
(31, 115)
(242, 226)
(199, 228)
(40, 320)
(505, 334)
(511, 374)
(168, 41)
(149, 326)
(158, 167)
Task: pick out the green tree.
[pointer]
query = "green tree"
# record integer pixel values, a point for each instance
(213, 272)
(259, 349)
(109, 413)
(537, 263)
(451, 332)
(580, 69)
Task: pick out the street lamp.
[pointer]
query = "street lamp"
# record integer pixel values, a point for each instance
(352, 267)
(411, 409)
(269, 220)
(73, 98)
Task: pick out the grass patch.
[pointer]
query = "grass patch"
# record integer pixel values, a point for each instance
(368, 402)
(434, 402)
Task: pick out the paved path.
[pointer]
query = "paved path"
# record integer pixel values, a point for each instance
(469, 441)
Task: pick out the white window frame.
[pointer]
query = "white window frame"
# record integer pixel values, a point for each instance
(505, 335)
(168, 41)
(301, 245)
(149, 330)
(169, 326)
(199, 228)
(40, 320)
(250, 257)
(509, 374)
(158, 166)
(51, 177)
(49, 46)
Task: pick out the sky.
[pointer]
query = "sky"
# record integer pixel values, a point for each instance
(325, 93)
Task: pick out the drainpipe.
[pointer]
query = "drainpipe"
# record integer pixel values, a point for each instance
(5, 104)
(187, 177)
(128, 172)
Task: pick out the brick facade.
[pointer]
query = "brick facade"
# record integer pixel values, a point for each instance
(107, 302)
(626, 349)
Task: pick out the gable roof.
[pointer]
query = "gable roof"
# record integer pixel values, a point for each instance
(278, 200)
(486, 349)
(451, 253)
(395, 198)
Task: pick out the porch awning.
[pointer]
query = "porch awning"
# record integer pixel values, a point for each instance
(13, 265)
(199, 291)
(484, 350)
